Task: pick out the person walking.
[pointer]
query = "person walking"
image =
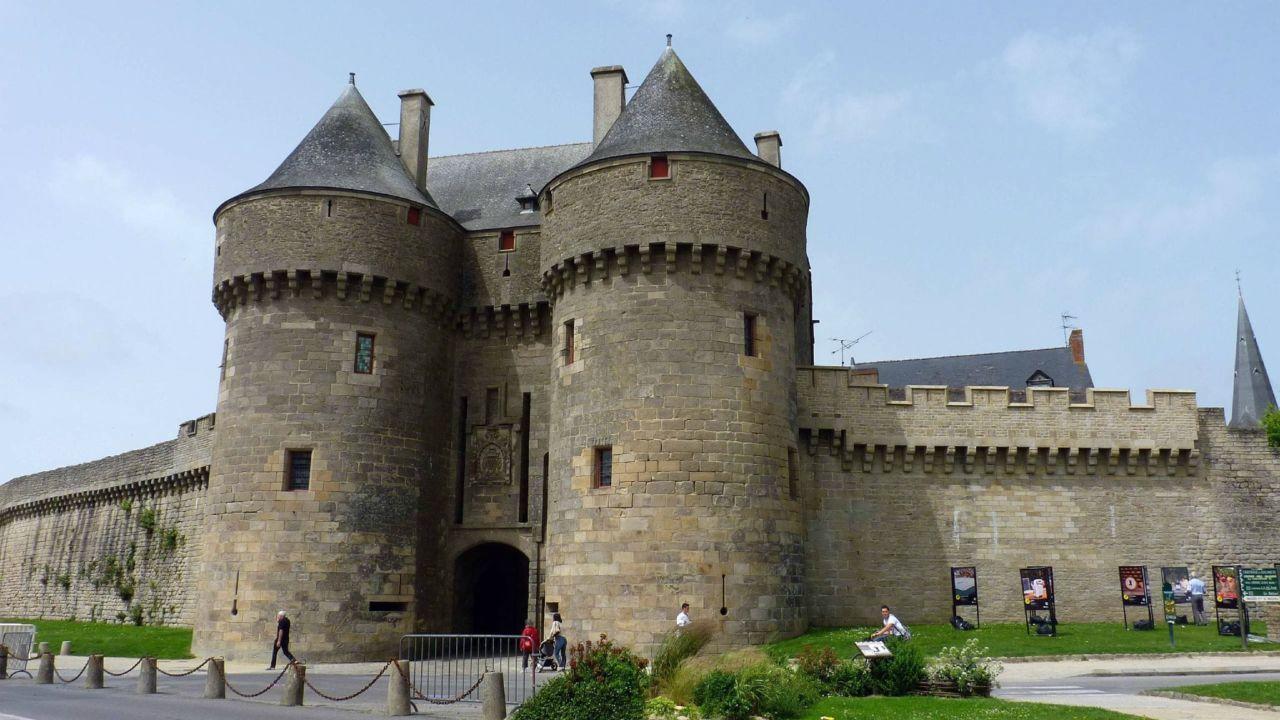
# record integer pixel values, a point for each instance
(1197, 600)
(282, 639)
(683, 620)
(561, 642)
(528, 643)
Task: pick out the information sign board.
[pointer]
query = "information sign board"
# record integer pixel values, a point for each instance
(1178, 580)
(1259, 585)
(1133, 585)
(964, 586)
(874, 649)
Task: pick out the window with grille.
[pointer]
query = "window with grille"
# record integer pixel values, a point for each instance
(603, 473)
(568, 343)
(298, 472)
(364, 353)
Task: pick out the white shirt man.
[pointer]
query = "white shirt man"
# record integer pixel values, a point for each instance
(683, 620)
(892, 626)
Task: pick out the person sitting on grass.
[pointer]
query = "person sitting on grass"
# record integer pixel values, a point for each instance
(893, 627)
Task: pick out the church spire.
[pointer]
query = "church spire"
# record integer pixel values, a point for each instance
(1253, 393)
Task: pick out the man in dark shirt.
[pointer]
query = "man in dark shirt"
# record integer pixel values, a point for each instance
(282, 639)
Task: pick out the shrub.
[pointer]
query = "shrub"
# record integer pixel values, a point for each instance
(1271, 423)
(690, 672)
(664, 708)
(169, 540)
(64, 580)
(147, 519)
(676, 647)
(603, 682)
(818, 664)
(126, 505)
(135, 614)
(900, 674)
(852, 678)
(967, 666)
(717, 695)
(763, 689)
(125, 590)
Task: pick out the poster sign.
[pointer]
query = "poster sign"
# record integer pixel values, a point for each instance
(1170, 607)
(1133, 585)
(1177, 580)
(1226, 587)
(1037, 587)
(1259, 585)
(964, 586)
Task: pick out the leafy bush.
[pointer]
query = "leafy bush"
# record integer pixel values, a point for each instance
(967, 666)
(126, 505)
(900, 674)
(717, 695)
(676, 647)
(852, 678)
(603, 682)
(818, 664)
(664, 708)
(147, 519)
(135, 614)
(1271, 423)
(169, 540)
(757, 690)
(64, 580)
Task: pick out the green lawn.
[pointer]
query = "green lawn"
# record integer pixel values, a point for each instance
(1261, 692)
(1012, 640)
(113, 640)
(929, 708)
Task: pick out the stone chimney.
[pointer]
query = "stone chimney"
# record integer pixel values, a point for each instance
(769, 147)
(610, 96)
(1076, 343)
(415, 128)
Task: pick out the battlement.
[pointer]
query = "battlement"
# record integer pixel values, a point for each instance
(318, 283)
(991, 426)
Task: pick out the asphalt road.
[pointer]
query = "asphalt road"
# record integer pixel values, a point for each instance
(1045, 690)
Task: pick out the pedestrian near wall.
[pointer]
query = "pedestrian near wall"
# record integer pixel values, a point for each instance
(561, 642)
(282, 639)
(1197, 600)
(683, 620)
(528, 643)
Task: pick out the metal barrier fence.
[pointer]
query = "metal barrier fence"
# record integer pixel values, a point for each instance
(444, 666)
(21, 640)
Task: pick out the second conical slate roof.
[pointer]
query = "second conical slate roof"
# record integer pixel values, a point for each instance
(1252, 395)
(669, 113)
(347, 150)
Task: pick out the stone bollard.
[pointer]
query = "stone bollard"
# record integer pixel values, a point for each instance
(44, 675)
(215, 679)
(44, 648)
(93, 673)
(4, 663)
(66, 648)
(494, 696)
(398, 688)
(147, 676)
(294, 684)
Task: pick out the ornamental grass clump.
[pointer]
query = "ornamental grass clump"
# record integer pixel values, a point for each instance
(678, 646)
(967, 667)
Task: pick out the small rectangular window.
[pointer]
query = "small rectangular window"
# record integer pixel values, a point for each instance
(749, 334)
(387, 606)
(415, 216)
(659, 169)
(506, 241)
(603, 472)
(793, 473)
(364, 353)
(298, 471)
(568, 342)
(226, 350)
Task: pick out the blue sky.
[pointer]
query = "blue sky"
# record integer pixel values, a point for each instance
(975, 170)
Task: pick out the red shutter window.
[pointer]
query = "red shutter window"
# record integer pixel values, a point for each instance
(658, 168)
(415, 216)
(507, 241)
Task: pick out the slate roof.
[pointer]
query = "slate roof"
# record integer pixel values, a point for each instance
(670, 113)
(1002, 369)
(347, 150)
(479, 189)
(1252, 393)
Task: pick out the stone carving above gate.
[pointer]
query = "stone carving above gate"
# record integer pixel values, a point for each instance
(490, 460)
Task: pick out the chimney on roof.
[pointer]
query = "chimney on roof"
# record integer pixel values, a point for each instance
(415, 128)
(769, 147)
(1076, 342)
(610, 96)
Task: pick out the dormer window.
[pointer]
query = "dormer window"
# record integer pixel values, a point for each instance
(528, 200)
(1039, 379)
(506, 241)
(659, 168)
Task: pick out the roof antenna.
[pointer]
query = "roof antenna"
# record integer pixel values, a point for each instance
(668, 39)
(846, 344)
(351, 78)
(1066, 326)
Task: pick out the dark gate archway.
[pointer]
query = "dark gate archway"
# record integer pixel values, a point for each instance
(491, 590)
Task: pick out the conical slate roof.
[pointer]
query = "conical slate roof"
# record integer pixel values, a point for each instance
(347, 150)
(669, 113)
(1253, 393)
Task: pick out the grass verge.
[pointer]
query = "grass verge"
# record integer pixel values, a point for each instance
(1012, 640)
(930, 708)
(1261, 692)
(113, 640)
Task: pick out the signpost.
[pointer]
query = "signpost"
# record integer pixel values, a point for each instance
(964, 591)
(1135, 592)
(1170, 614)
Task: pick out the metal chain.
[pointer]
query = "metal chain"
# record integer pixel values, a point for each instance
(263, 690)
(183, 674)
(86, 666)
(418, 694)
(126, 672)
(357, 693)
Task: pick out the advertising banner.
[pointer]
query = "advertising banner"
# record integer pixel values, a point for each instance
(1259, 584)
(964, 586)
(1037, 587)
(1133, 585)
(1177, 580)
(1226, 587)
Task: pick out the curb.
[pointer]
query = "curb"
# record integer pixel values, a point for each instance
(1173, 695)
(1180, 673)
(1136, 656)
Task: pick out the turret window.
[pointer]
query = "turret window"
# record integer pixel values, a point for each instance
(568, 343)
(298, 470)
(415, 216)
(659, 168)
(602, 474)
(507, 241)
(364, 353)
(750, 345)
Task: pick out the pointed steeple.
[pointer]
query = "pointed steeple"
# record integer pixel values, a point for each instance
(347, 150)
(670, 113)
(1253, 393)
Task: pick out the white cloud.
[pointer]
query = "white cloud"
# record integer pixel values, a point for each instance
(829, 113)
(1072, 84)
(759, 30)
(113, 191)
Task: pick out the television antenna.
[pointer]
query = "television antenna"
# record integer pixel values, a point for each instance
(847, 345)
(1067, 326)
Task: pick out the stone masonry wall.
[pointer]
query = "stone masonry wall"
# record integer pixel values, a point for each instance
(115, 538)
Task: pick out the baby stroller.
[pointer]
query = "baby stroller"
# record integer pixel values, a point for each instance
(544, 660)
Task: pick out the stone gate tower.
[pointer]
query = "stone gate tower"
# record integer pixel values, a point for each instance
(334, 277)
(675, 260)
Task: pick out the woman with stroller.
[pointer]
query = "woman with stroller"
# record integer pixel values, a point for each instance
(561, 642)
